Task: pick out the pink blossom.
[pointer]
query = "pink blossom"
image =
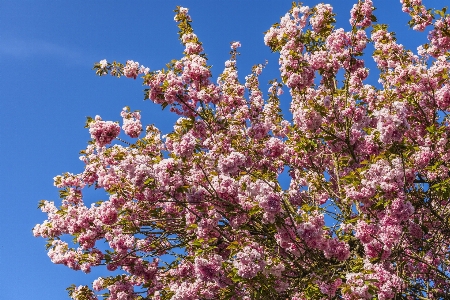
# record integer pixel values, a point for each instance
(235, 45)
(203, 212)
(103, 132)
(131, 123)
(131, 69)
(208, 268)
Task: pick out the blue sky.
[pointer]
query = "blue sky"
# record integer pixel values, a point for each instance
(47, 87)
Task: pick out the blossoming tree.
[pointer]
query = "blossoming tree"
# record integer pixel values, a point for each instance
(375, 160)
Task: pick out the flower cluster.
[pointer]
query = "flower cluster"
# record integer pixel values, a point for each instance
(103, 132)
(361, 14)
(131, 122)
(132, 69)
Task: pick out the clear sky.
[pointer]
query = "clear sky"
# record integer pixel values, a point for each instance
(47, 88)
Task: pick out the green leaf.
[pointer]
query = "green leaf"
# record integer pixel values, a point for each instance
(198, 242)
(63, 193)
(440, 13)
(149, 182)
(233, 245)
(119, 156)
(431, 128)
(192, 226)
(49, 243)
(88, 122)
(41, 203)
(254, 210)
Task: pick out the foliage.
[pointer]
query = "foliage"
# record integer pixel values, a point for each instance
(374, 160)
